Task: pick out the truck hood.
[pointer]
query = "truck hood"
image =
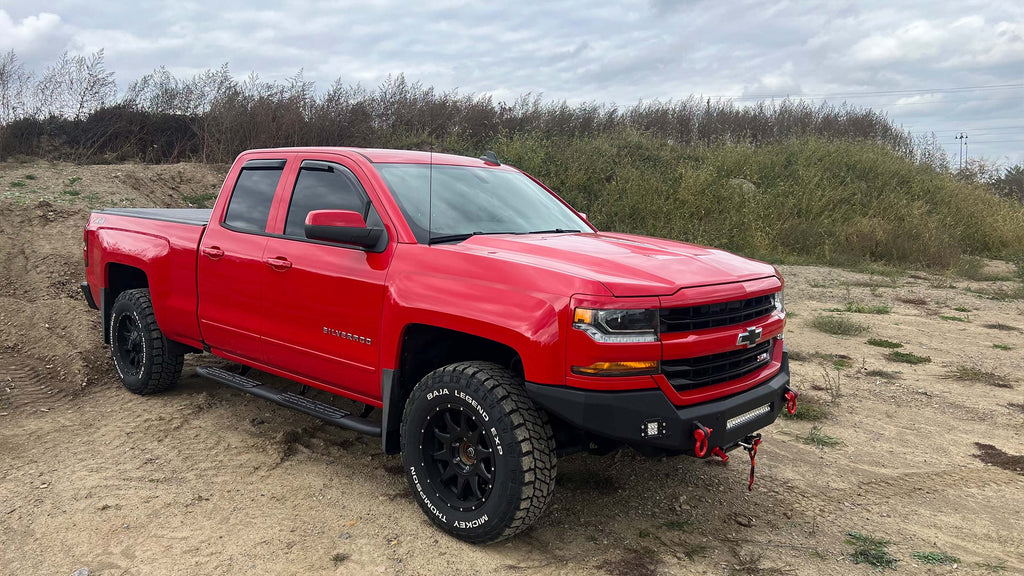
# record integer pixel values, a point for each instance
(626, 264)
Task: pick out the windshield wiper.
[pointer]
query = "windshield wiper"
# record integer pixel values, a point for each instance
(552, 231)
(460, 237)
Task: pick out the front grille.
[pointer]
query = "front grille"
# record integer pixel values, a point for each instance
(716, 315)
(691, 373)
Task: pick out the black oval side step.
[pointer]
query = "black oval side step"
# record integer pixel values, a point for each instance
(325, 412)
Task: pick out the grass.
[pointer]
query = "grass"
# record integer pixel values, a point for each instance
(974, 374)
(871, 551)
(201, 199)
(17, 184)
(938, 558)
(70, 192)
(838, 325)
(30, 176)
(74, 180)
(1002, 347)
(974, 268)
(808, 409)
(954, 318)
(859, 308)
(340, 558)
(882, 374)
(819, 439)
(907, 357)
(883, 343)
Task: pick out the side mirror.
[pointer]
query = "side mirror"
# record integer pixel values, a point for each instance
(343, 227)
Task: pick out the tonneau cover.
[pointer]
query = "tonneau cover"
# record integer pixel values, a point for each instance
(193, 216)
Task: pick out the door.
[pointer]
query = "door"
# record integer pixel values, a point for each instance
(322, 302)
(230, 268)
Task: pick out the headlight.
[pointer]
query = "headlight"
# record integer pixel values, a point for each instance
(622, 326)
(780, 301)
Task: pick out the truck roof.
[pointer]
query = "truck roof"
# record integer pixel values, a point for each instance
(387, 156)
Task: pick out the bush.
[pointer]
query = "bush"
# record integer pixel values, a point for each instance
(838, 325)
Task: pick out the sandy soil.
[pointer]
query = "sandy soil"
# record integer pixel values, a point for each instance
(205, 480)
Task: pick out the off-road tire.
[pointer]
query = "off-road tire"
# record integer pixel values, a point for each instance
(159, 368)
(523, 450)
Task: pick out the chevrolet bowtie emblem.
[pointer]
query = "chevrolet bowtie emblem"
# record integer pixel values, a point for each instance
(750, 337)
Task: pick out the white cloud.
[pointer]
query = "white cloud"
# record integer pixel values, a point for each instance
(37, 36)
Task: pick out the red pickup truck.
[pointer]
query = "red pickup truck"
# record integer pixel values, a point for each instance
(493, 326)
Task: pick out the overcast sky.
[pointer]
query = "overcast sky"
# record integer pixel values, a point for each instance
(934, 65)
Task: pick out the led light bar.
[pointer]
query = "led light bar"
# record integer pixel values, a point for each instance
(748, 417)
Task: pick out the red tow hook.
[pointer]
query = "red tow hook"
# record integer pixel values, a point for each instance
(750, 444)
(791, 396)
(717, 451)
(701, 435)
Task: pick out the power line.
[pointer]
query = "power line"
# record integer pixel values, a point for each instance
(995, 141)
(993, 129)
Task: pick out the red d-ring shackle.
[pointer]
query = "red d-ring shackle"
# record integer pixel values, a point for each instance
(701, 435)
(791, 396)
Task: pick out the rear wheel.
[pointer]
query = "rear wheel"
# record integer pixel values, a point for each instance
(139, 349)
(479, 456)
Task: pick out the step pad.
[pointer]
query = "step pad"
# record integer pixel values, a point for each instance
(303, 403)
(325, 412)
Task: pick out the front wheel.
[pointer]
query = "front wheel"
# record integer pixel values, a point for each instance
(479, 456)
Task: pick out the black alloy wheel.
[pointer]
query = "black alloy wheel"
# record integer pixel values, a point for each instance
(128, 344)
(461, 455)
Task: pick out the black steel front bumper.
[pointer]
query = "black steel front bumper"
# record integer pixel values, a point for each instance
(88, 296)
(630, 416)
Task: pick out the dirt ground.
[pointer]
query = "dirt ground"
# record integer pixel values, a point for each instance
(206, 480)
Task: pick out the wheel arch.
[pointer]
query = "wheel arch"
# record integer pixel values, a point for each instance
(424, 348)
(118, 278)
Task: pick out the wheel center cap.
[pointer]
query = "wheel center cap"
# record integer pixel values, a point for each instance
(467, 454)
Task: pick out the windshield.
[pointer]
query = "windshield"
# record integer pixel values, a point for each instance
(469, 200)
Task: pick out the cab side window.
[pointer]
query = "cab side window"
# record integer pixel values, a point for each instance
(253, 195)
(325, 186)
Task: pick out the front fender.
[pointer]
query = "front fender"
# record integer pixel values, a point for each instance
(528, 322)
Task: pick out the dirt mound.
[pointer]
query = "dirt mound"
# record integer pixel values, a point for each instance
(49, 344)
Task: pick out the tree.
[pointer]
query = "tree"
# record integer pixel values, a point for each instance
(75, 86)
(15, 85)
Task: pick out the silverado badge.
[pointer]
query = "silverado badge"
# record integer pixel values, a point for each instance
(749, 337)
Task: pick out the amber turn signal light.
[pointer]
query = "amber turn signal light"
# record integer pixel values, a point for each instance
(638, 368)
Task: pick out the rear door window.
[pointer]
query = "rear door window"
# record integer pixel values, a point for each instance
(249, 207)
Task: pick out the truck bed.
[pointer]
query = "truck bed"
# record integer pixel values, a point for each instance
(192, 216)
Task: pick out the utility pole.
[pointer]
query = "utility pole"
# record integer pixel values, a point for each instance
(962, 137)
